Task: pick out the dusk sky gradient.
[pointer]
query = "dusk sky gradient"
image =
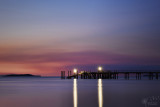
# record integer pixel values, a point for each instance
(46, 36)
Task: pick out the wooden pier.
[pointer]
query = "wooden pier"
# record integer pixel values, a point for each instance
(115, 74)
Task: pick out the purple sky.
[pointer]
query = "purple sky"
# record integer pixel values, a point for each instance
(46, 36)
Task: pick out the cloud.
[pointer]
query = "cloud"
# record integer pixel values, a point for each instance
(50, 63)
(83, 57)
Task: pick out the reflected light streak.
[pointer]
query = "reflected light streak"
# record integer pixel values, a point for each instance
(100, 93)
(75, 101)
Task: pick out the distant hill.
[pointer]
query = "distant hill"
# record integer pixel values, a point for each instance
(21, 75)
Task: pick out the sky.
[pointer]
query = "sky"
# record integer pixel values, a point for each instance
(44, 37)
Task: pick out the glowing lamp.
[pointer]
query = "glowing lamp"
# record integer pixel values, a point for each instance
(75, 71)
(99, 68)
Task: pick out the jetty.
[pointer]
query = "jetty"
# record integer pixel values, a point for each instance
(112, 74)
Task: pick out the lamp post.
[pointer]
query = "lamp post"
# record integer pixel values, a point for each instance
(75, 72)
(100, 68)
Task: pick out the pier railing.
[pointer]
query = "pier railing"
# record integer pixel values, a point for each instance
(115, 74)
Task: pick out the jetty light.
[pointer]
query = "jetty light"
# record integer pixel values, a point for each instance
(99, 68)
(75, 71)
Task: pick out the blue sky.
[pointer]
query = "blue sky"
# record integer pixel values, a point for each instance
(100, 31)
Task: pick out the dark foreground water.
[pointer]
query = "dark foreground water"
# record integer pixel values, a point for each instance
(54, 92)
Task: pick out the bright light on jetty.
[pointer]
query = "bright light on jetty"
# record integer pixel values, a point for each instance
(75, 71)
(99, 68)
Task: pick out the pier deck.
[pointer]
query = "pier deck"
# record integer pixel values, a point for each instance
(112, 74)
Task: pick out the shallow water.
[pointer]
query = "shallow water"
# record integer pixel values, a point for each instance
(54, 92)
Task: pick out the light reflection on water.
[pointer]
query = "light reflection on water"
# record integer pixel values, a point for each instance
(54, 92)
(75, 101)
(100, 93)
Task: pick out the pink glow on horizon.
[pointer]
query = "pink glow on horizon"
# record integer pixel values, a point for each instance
(49, 64)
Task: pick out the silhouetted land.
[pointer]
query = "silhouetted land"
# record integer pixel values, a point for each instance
(21, 75)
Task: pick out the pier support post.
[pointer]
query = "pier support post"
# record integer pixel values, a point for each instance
(89, 75)
(125, 76)
(152, 76)
(136, 76)
(62, 74)
(77, 74)
(157, 76)
(98, 75)
(68, 73)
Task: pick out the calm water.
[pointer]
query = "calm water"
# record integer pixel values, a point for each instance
(54, 92)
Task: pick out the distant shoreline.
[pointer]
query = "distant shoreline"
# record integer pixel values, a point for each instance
(20, 75)
(26, 76)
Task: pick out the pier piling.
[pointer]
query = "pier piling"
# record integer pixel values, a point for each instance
(62, 74)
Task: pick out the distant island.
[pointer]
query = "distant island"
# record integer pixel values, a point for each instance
(21, 75)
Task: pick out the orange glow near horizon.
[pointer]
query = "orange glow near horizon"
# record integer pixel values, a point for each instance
(50, 63)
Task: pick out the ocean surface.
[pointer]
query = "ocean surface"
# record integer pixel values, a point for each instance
(54, 92)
